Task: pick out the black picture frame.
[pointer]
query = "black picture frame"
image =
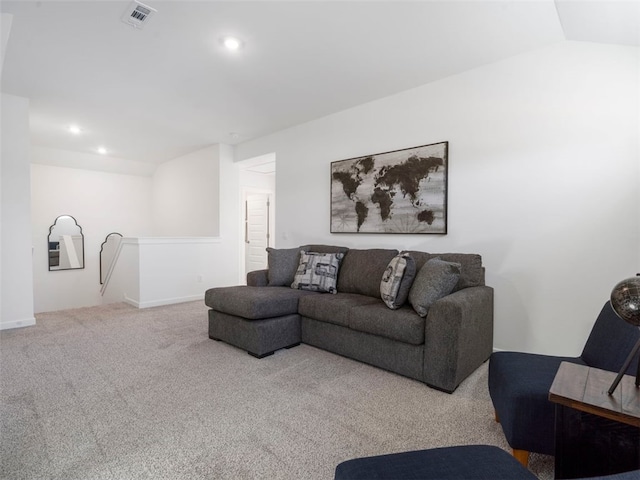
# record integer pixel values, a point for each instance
(401, 191)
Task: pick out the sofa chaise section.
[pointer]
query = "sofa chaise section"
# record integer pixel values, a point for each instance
(259, 320)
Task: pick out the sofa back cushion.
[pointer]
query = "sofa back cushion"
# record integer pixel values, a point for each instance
(324, 248)
(283, 263)
(361, 271)
(471, 270)
(436, 279)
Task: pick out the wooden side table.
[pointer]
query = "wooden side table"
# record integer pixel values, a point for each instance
(596, 433)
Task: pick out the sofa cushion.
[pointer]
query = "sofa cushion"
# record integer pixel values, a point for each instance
(324, 248)
(283, 263)
(471, 271)
(254, 303)
(403, 325)
(362, 270)
(258, 278)
(397, 279)
(332, 308)
(435, 280)
(407, 280)
(317, 272)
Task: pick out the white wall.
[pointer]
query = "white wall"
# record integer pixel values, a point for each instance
(101, 203)
(16, 280)
(230, 217)
(185, 195)
(6, 20)
(257, 181)
(543, 181)
(179, 270)
(102, 163)
(164, 270)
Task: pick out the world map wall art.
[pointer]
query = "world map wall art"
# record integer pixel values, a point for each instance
(404, 191)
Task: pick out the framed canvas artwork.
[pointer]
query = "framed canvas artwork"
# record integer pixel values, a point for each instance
(404, 191)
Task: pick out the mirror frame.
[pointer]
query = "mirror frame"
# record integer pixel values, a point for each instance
(49, 243)
(106, 239)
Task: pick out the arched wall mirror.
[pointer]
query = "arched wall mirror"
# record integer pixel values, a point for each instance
(108, 251)
(66, 244)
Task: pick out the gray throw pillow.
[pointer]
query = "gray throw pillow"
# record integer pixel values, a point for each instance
(283, 263)
(436, 279)
(318, 272)
(397, 280)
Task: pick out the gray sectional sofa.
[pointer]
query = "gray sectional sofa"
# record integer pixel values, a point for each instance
(441, 349)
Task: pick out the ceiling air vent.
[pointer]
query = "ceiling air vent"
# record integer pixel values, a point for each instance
(138, 14)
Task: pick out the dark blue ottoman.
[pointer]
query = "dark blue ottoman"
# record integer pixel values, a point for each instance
(482, 462)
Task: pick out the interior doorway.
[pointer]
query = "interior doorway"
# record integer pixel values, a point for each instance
(257, 230)
(258, 184)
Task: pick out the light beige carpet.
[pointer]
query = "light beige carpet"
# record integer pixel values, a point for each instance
(114, 392)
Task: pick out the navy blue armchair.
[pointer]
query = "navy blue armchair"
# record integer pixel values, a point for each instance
(519, 383)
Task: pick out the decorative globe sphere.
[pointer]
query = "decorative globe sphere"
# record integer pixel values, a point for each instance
(625, 300)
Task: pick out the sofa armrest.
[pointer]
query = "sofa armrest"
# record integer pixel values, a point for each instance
(258, 278)
(458, 336)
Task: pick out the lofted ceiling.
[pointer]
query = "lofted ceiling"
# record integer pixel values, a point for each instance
(169, 88)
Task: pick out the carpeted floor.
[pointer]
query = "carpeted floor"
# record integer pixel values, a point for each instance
(113, 392)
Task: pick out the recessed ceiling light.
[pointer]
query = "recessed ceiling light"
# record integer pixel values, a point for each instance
(102, 150)
(75, 129)
(231, 43)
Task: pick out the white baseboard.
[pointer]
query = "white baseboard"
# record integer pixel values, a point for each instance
(162, 301)
(26, 322)
(131, 301)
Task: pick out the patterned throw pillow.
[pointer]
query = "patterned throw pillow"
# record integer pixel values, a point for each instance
(318, 272)
(397, 279)
(436, 279)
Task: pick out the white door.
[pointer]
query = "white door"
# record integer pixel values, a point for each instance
(256, 231)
